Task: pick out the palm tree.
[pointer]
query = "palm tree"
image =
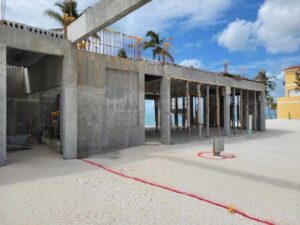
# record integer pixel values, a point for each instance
(270, 102)
(159, 47)
(274, 107)
(68, 13)
(269, 82)
(270, 85)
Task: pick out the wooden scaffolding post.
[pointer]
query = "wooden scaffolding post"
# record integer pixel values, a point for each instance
(183, 113)
(255, 112)
(191, 111)
(176, 112)
(199, 110)
(247, 110)
(241, 111)
(188, 113)
(234, 111)
(218, 110)
(207, 111)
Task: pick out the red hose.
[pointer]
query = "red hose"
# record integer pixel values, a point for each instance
(208, 155)
(237, 211)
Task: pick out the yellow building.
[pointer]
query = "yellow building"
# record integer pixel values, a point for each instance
(288, 107)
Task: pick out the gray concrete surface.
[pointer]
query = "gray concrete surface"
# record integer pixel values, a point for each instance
(68, 104)
(30, 41)
(262, 180)
(165, 102)
(110, 106)
(3, 78)
(100, 16)
(45, 74)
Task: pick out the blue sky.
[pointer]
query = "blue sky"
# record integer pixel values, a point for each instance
(250, 35)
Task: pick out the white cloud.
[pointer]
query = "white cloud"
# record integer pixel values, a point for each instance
(277, 28)
(238, 36)
(197, 44)
(32, 12)
(280, 27)
(159, 15)
(196, 63)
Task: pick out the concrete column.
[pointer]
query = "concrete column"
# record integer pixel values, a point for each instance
(156, 112)
(262, 111)
(255, 112)
(165, 99)
(247, 110)
(226, 95)
(69, 103)
(218, 110)
(142, 102)
(241, 111)
(234, 111)
(207, 111)
(3, 84)
(188, 109)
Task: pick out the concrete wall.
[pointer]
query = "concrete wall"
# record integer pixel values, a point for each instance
(22, 109)
(31, 41)
(288, 108)
(45, 74)
(108, 106)
(30, 113)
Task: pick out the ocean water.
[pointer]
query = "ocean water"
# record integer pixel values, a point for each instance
(150, 120)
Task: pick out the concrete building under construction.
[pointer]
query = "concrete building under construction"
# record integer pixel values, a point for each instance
(101, 97)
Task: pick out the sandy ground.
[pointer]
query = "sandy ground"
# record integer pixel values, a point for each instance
(38, 187)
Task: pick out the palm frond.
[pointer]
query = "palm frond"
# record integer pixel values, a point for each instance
(55, 15)
(168, 55)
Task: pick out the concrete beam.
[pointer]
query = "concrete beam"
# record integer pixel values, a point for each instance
(165, 99)
(69, 104)
(19, 39)
(3, 104)
(211, 78)
(101, 15)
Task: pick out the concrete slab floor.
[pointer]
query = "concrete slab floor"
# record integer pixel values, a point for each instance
(38, 187)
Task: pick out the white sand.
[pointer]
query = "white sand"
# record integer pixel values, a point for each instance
(38, 187)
